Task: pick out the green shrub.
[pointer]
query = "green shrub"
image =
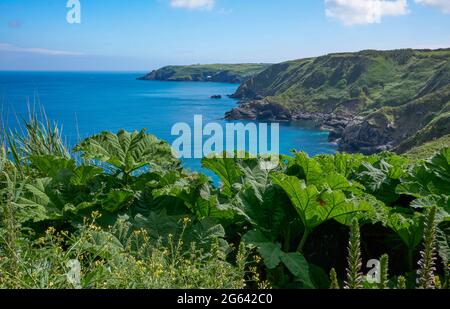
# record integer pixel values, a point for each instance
(130, 216)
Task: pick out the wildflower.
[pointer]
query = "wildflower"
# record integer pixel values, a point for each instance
(139, 263)
(99, 263)
(50, 231)
(96, 214)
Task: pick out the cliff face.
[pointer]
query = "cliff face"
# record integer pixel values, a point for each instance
(224, 73)
(370, 100)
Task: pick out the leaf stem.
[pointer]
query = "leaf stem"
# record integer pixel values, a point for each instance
(303, 241)
(409, 257)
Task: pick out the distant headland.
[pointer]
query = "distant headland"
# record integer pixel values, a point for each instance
(222, 73)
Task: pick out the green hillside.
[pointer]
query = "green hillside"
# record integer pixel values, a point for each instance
(428, 149)
(386, 97)
(228, 73)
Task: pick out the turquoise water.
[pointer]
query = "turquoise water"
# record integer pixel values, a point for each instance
(87, 103)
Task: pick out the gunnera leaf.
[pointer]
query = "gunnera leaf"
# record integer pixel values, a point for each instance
(127, 151)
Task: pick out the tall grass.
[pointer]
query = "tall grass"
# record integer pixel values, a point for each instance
(10, 190)
(123, 262)
(36, 136)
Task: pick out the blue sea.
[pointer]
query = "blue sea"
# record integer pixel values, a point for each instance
(88, 103)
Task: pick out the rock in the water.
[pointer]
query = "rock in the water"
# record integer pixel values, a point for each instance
(217, 96)
(259, 110)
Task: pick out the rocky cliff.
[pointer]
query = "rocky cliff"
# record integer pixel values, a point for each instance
(369, 100)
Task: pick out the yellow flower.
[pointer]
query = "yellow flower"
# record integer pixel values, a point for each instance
(50, 231)
(96, 214)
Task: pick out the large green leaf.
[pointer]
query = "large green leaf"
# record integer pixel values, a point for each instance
(83, 174)
(227, 170)
(193, 190)
(429, 177)
(381, 176)
(441, 201)
(46, 199)
(299, 267)
(127, 151)
(261, 203)
(408, 226)
(440, 165)
(272, 255)
(326, 171)
(40, 202)
(305, 168)
(376, 210)
(304, 198)
(159, 225)
(345, 163)
(117, 199)
(341, 163)
(252, 194)
(335, 181)
(443, 244)
(335, 205)
(316, 207)
(203, 233)
(268, 213)
(51, 166)
(270, 251)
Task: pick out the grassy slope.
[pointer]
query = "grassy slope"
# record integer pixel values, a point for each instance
(428, 149)
(405, 89)
(202, 72)
(372, 79)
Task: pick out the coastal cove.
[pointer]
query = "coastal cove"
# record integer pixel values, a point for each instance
(90, 102)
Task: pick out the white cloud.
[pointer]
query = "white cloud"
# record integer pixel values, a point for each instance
(443, 5)
(193, 4)
(353, 12)
(35, 50)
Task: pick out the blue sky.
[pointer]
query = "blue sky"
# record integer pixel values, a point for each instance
(139, 35)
